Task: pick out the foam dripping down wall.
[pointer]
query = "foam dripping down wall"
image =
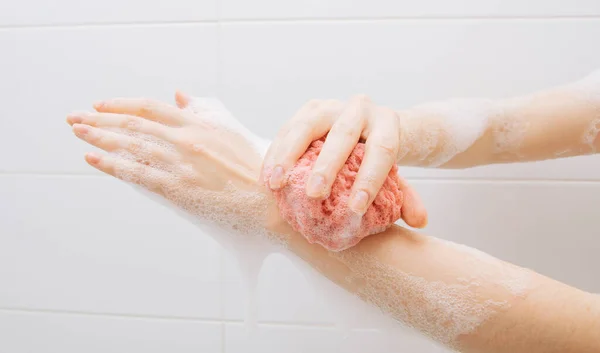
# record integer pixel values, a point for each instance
(348, 311)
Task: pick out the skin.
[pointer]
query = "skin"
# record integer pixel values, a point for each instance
(345, 125)
(554, 122)
(550, 317)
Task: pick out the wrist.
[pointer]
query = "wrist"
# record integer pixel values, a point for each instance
(406, 122)
(456, 133)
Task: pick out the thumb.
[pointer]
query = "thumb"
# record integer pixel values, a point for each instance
(182, 99)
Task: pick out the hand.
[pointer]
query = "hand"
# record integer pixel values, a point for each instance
(202, 165)
(345, 125)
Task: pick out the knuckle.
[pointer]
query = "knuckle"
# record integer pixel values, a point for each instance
(285, 129)
(386, 111)
(98, 137)
(194, 147)
(130, 123)
(367, 184)
(391, 115)
(346, 130)
(305, 127)
(135, 146)
(185, 143)
(147, 107)
(91, 119)
(387, 147)
(331, 107)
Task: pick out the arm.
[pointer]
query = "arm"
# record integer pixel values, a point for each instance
(459, 133)
(555, 123)
(207, 166)
(459, 296)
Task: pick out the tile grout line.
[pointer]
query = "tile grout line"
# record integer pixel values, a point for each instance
(307, 20)
(219, 91)
(159, 317)
(377, 19)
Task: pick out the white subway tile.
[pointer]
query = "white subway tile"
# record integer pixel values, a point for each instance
(93, 244)
(273, 9)
(270, 70)
(48, 73)
(550, 227)
(33, 332)
(275, 339)
(39, 12)
(283, 294)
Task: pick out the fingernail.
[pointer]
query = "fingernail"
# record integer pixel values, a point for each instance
(76, 117)
(424, 221)
(99, 105)
(72, 119)
(359, 202)
(316, 186)
(92, 158)
(276, 178)
(80, 130)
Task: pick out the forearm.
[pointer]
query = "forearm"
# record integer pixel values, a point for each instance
(555, 123)
(459, 296)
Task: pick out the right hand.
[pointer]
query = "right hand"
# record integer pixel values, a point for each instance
(201, 166)
(345, 125)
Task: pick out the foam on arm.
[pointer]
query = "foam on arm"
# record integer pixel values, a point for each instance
(456, 295)
(460, 297)
(459, 133)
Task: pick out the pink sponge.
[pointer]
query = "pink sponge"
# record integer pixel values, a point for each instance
(330, 222)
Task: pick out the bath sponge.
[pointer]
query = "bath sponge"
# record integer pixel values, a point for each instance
(330, 222)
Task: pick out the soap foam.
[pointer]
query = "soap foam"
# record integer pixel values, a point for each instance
(443, 309)
(233, 212)
(588, 90)
(403, 304)
(434, 134)
(234, 215)
(445, 129)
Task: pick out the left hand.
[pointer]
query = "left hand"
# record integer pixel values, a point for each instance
(345, 125)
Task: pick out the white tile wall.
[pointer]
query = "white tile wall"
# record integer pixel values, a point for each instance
(88, 264)
(275, 339)
(47, 73)
(33, 13)
(402, 63)
(93, 244)
(335, 9)
(26, 332)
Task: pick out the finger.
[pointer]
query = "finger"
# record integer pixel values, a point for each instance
(268, 160)
(182, 99)
(114, 142)
(381, 149)
(150, 178)
(270, 154)
(413, 209)
(145, 108)
(267, 165)
(123, 121)
(340, 142)
(306, 126)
